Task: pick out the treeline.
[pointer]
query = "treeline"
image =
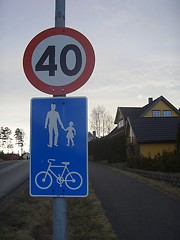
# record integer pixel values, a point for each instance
(9, 156)
(7, 140)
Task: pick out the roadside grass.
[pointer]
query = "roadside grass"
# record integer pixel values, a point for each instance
(31, 219)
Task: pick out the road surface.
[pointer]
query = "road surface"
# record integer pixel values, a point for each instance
(12, 175)
(135, 210)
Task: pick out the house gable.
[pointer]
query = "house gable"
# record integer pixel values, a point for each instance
(160, 107)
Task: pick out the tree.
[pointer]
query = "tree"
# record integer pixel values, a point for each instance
(19, 136)
(5, 133)
(101, 121)
(10, 145)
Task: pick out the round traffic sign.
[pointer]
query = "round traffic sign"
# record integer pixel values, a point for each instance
(58, 60)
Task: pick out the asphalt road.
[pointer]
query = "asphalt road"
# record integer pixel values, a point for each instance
(12, 175)
(135, 210)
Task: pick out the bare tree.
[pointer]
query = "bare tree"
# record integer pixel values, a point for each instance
(19, 136)
(101, 121)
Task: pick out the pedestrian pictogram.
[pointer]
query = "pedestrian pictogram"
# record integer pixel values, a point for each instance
(71, 133)
(52, 119)
(58, 165)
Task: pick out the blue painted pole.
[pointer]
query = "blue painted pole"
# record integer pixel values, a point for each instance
(60, 228)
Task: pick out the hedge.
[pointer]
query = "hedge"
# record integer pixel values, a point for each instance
(110, 149)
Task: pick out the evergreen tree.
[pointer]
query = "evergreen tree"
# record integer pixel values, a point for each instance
(19, 136)
(5, 133)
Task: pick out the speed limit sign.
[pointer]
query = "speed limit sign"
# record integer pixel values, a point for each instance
(59, 60)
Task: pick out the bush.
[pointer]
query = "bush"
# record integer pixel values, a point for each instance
(167, 162)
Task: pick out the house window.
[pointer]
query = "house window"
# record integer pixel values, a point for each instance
(156, 113)
(120, 123)
(167, 113)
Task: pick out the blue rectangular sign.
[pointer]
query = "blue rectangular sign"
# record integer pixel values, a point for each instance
(59, 162)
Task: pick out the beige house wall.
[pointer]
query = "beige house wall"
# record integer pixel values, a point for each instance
(152, 149)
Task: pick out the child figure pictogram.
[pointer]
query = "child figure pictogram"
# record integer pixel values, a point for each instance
(71, 132)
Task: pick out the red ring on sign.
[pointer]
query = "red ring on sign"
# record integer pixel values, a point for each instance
(62, 89)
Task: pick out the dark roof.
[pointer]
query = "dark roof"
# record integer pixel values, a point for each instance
(159, 129)
(130, 111)
(116, 131)
(127, 112)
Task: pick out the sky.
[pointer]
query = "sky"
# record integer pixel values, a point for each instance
(136, 44)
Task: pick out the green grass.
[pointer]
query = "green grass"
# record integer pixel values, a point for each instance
(31, 219)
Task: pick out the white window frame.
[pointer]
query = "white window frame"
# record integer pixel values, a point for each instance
(156, 113)
(167, 113)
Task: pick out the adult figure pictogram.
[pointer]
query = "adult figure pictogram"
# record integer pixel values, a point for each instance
(52, 120)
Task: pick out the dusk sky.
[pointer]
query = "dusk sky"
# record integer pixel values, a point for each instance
(136, 43)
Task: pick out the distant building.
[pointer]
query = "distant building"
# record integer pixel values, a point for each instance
(26, 156)
(91, 136)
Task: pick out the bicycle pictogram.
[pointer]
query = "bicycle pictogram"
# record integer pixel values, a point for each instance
(73, 180)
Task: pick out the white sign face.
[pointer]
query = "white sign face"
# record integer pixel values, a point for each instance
(58, 60)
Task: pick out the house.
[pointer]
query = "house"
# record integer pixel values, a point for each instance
(26, 156)
(150, 129)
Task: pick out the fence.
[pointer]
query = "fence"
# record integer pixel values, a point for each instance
(172, 178)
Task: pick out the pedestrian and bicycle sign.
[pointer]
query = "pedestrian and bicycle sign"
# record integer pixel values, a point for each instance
(59, 60)
(58, 165)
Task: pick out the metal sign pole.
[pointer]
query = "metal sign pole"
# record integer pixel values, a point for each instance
(59, 203)
(60, 13)
(59, 218)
